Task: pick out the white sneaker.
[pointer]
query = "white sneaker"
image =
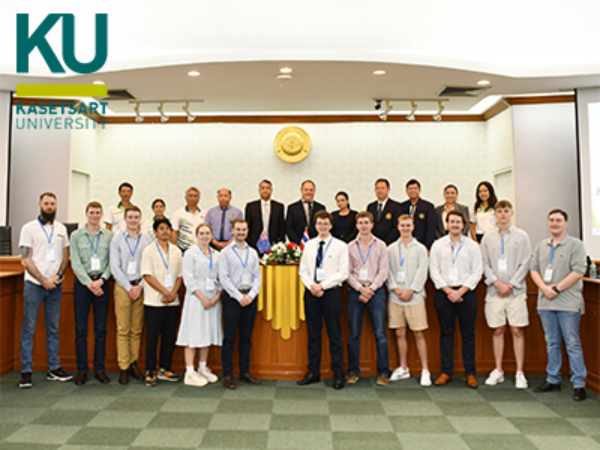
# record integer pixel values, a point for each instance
(400, 374)
(521, 381)
(207, 373)
(425, 378)
(194, 379)
(495, 377)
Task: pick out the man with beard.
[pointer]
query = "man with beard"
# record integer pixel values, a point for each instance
(44, 247)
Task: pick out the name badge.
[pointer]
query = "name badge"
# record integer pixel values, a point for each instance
(548, 275)
(50, 255)
(453, 274)
(210, 285)
(246, 280)
(131, 268)
(320, 274)
(95, 263)
(401, 277)
(168, 281)
(363, 275)
(502, 265)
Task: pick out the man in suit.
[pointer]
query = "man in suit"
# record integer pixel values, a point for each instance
(422, 212)
(300, 214)
(265, 215)
(386, 212)
(450, 195)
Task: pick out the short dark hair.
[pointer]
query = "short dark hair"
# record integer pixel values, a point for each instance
(125, 184)
(308, 181)
(157, 201)
(265, 181)
(451, 186)
(236, 221)
(324, 215)
(492, 200)
(456, 212)
(503, 204)
(559, 211)
(365, 214)
(158, 223)
(132, 208)
(93, 205)
(48, 194)
(413, 181)
(382, 180)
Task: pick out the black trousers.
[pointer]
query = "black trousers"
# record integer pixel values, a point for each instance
(236, 316)
(161, 322)
(328, 307)
(448, 312)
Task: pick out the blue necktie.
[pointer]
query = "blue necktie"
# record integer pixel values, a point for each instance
(222, 236)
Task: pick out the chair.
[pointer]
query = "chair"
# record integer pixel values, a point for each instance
(5, 241)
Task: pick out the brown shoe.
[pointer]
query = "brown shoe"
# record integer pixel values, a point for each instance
(228, 382)
(102, 377)
(80, 379)
(351, 378)
(443, 379)
(123, 377)
(247, 378)
(383, 380)
(135, 372)
(472, 382)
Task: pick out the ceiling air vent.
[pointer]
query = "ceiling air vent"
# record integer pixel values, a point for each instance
(118, 94)
(453, 91)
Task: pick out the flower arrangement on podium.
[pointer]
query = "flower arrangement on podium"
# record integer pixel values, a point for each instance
(280, 253)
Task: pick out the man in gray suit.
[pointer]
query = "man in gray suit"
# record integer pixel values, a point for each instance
(450, 195)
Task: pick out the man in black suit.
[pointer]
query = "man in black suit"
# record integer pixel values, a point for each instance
(300, 214)
(265, 214)
(385, 212)
(422, 212)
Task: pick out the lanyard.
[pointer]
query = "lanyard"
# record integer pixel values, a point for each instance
(49, 239)
(95, 249)
(136, 244)
(162, 257)
(551, 253)
(456, 256)
(244, 264)
(364, 260)
(325, 252)
(210, 253)
(502, 241)
(400, 251)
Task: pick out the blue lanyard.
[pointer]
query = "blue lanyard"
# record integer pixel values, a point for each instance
(244, 264)
(400, 251)
(502, 241)
(456, 256)
(95, 249)
(325, 252)
(161, 255)
(364, 261)
(551, 253)
(49, 239)
(136, 244)
(210, 265)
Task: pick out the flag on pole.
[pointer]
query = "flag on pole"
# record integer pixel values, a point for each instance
(263, 243)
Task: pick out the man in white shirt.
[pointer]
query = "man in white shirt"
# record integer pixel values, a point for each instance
(44, 247)
(186, 219)
(455, 268)
(506, 252)
(115, 215)
(323, 269)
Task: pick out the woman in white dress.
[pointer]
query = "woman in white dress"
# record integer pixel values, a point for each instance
(201, 324)
(482, 216)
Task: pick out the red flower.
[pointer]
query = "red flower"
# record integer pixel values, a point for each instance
(291, 246)
(301, 245)
(269, 252)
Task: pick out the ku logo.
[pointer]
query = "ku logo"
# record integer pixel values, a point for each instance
(26, 43)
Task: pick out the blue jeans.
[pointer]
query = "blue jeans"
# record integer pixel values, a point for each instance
(377, 308)
(565, 324)
(33, 296)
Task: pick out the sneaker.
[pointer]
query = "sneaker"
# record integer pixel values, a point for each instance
(351, 378)
(150, 378)
(521, 381)
(400, 374)
(425, 378)
(58, 375)
(194, 379)
(167, 375)
(383, 380)
(207, 373)
(495, 377)
(25, 380)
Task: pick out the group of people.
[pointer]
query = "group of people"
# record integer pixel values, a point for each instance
(216, 256)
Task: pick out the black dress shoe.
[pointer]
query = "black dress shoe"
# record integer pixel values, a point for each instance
(80, 379)
(135, 372)
(579, 394)
(123, 377)
(339, 381)
(547, 387)
(247, 378)
(102, 377)
(228, 382)
(309, 378)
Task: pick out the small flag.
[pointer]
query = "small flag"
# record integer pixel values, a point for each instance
(263, 243)
(305, 238)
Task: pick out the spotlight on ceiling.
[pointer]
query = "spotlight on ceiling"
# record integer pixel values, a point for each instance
(193, 73)
(413, 109)
(163, 117)
(483, 83)
(190, 116)
(378, 105)
(286, 70)
(438, 116)
(383, 115)
(379, 72)
(138, 116)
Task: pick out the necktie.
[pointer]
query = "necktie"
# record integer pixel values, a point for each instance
(222, 235)
(310, 213)
(379, 209)
(266, 218)
(319, 258)
(412, 210)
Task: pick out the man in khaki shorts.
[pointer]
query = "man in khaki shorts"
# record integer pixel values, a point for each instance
(406, 286)
(506, 252)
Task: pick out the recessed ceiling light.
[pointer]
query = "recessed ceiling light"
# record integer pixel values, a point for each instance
(285, 70)
(284, 77)
(193, 73)
(99, 82)
(379, 72)
(483, 82)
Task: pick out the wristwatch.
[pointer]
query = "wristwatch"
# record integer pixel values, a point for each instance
(555, 289)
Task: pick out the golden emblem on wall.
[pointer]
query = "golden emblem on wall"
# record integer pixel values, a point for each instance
(292, 144)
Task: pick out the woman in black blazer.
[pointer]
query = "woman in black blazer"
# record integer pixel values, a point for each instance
(344, 220)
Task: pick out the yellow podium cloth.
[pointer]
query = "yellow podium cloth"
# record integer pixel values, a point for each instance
(281, 299)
